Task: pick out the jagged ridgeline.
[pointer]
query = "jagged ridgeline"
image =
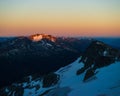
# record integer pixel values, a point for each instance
(36, 54)
(98, 65)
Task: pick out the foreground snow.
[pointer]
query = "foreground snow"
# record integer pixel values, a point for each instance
(105, 83)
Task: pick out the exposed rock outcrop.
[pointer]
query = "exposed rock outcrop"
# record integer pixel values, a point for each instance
(50, 80)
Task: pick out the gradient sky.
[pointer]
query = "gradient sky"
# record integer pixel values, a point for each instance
(60, 17)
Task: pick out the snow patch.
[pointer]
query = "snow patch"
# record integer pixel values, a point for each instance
(105, 53)
(6, 90)
(37, 38)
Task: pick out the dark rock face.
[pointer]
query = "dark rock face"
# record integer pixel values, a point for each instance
(103, 61)
(50, 80)
(89, 73)
(80, 71)
(97, 55)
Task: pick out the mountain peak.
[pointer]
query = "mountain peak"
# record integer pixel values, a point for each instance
(97, 49)
(39, 37)
(96, 56)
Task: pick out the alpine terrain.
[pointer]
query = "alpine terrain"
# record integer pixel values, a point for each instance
(94, 73)
(36, 54)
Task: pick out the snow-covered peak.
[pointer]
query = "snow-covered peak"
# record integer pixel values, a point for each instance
(39, 37)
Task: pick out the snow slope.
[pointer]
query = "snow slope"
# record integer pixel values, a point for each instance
(105, 83)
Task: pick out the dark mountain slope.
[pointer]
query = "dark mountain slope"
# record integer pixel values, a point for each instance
(41, 54)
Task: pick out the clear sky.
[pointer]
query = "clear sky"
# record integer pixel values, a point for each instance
(60, 17)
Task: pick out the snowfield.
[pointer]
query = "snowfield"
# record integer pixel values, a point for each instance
(105, 83)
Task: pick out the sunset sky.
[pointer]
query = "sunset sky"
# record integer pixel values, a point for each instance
(60, 17)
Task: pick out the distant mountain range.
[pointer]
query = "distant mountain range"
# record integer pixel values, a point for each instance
(94, 73)
(37, 54)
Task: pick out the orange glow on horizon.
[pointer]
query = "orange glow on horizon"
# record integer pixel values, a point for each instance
(60, 18)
